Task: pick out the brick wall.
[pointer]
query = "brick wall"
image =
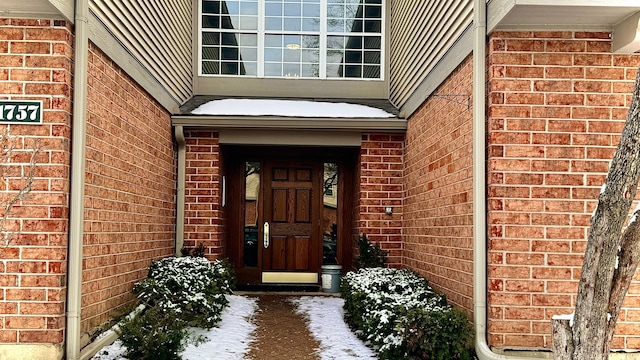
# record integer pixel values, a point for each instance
(130, 191)
(35, 63)
(204, 218)
(438, 213)
(557, 104)
(380, 179)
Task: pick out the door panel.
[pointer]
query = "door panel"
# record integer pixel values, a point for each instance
(292, 209)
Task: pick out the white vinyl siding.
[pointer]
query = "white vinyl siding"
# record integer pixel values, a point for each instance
(421, 34)
(158, 34)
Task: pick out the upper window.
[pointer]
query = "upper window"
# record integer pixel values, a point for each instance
(292, 38)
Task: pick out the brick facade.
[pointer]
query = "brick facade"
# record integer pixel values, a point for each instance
(557, 104)
(438, 211)
(204, 218)
(35, 64)
(380, 179)
(130, 206)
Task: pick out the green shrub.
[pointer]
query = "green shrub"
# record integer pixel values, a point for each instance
(155, 334)
(191, 287)
(403, 317)
(371, 255)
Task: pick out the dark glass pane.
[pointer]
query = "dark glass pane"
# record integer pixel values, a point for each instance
(211, 7)
(353, 71)
(379, 2)
(210, 67)
(353, 57)
(229, 39)
(210, 53)
(371, 72)
(373, 26)
(210, 38)
(252, 192)
(373, 12)
(229, 53)
(372, 42)
(229, 68)
(330, 215)
(211, 21)
(372, 57)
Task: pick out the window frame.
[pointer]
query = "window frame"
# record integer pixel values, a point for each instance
(261, 33)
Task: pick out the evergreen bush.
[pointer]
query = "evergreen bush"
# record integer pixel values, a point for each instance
(155, 334)
(371, 255)
(398, 313)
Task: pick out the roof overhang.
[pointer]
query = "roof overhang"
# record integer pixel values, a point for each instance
(620, 17)
(394, 124)
(38, 9)
(290, 123)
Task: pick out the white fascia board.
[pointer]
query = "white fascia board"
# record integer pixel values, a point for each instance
(38, 9)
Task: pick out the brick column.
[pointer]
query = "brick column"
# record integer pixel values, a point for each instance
(35, 64)
(381, 172)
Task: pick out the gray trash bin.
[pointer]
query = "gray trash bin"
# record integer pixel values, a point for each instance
(331, 278)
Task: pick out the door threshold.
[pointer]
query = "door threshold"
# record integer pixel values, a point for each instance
(278, 288)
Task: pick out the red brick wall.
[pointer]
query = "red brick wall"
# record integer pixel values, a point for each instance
(438, 214)
(557, 104)
(35, 63)
(380, 179)
(204, 218)
(130, 191)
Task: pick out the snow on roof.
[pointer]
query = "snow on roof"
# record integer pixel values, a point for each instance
(293, 108)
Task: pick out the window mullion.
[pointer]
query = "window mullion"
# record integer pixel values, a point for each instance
(261, 35)
(323, 39)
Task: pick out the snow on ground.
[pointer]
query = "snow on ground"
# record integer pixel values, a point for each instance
(327, 326)
(297, 108)
(229, 341)
(232, 339)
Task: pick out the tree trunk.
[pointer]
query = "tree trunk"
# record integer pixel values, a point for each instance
(604, 278)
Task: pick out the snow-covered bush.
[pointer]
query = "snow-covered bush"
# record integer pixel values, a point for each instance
(192, 287)
(155, 334)
(398, 313)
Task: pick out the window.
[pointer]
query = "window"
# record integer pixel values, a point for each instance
(292, 38)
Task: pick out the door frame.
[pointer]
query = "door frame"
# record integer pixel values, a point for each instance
(233, 163)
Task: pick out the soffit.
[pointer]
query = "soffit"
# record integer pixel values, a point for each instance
(593, 15)
(39, 9)
(391, 124)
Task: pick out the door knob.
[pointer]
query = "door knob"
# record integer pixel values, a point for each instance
(265, 234)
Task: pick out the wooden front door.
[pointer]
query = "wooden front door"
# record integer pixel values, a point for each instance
(299, 194)
(291, 235)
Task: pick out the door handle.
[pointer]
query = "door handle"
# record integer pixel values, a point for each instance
(265, 234)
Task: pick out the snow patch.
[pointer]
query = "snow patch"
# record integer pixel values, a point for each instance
(327, 326)
(293, 108)
(564, 317)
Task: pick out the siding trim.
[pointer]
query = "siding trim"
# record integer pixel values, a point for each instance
(461, 48)
(100, 35)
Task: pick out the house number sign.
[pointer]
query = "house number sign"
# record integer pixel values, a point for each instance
(20, 112)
